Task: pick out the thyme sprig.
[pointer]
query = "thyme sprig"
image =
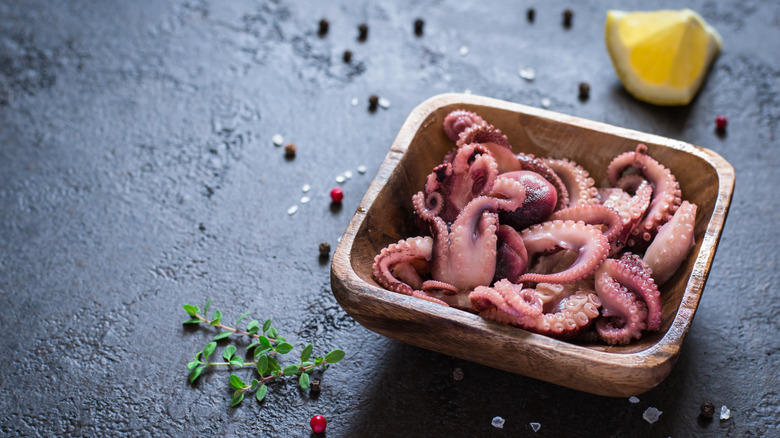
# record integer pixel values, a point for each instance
(266, 346)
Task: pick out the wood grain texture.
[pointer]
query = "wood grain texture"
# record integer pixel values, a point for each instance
(385, 216)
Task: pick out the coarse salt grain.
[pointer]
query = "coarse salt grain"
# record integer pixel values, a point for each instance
(348, 174)
(546, 102)
(651, 415)
(535, 426)
(384, 103)
(354, 101)
(527, 73)
(464, 50)
(362, 169)
(305, 200)
(725, 413)
(306, 188)
(340, 179)
(498, 422)
(278, 140)
(633, 399)
(467, 91)
(291, 211)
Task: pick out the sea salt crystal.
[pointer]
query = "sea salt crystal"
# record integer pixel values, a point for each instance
(291, 211)
(447, 77)
(725, 413)
(305, 200)
(498, 422)
(340, 179)
(527, 73)
(651, 415)
(633, 399)
(278, 140)
(306, 188)
(362, 169)
(467, 91)
(384, 103)
(354, 101)
(546, 102)
(464, 50)
(535, 426)
(348, 174)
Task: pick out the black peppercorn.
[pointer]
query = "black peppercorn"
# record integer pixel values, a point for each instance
(362, 32)
(418, 26)
(289, 150)
(567, 16)
(373, 101)
(324, 249)
(707, 409)
(315, 386)
(347, 56)
(530, 14)
(324, 25)
(584, 91)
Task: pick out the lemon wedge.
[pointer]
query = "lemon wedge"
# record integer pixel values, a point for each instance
(661, 57)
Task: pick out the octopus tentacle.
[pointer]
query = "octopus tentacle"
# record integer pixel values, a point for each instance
(404, 254)
(672, 243)
(666, 191)
(576, 179)
(588, 241)
(630, 208)
(494, 141)
(624, 316)
(530, 162)
(458, 121)
(508, 297)
(631, 272)
(595, 214)
(472, 173)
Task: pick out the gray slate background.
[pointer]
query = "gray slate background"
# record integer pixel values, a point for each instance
(137, 174)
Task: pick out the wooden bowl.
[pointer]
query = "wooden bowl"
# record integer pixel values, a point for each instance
(385, 216)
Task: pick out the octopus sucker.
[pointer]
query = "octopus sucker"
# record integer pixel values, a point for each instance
(531, 242)
(587, 240)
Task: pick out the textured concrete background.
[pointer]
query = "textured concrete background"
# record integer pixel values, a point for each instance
(137, 174)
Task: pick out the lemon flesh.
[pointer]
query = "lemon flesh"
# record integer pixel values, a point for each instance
(661, 57)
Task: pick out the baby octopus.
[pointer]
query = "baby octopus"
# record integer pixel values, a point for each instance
(532, 242)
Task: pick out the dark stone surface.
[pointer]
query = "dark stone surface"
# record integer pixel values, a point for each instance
(137, 174)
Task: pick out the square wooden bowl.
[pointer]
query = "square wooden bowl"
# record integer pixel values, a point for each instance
(385, 216)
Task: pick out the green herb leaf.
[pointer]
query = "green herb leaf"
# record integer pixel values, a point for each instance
(229, 351)
(308, 365)
(253, 345)
(272, 333)
(236, 382)
(264, 341)
(266, 325)
(261, 352)
(306, 353)
(223, 335)
(262, 365)
(260, 394)
(289, 370)
(284, 348)
(191, 310)
(238, 397)
(334, 356)
(192, 365)
(216, 318)
(253, 327)
(192, 321)
(209, 349)
(242, 318)
(273, 364)
(206, 307)
(303, 381)
(237, 361)
(255, 382)
(196, 373)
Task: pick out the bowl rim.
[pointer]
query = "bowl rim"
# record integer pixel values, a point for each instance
(662, 353)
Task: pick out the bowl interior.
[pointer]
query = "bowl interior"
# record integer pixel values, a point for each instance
(389, 217)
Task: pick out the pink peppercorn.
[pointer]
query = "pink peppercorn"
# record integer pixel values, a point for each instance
(337, 194)
(318, 424)
(721, 122)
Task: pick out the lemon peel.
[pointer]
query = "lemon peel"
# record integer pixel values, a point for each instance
(662, 56)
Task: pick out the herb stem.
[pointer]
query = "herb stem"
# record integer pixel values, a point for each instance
(231, 329)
